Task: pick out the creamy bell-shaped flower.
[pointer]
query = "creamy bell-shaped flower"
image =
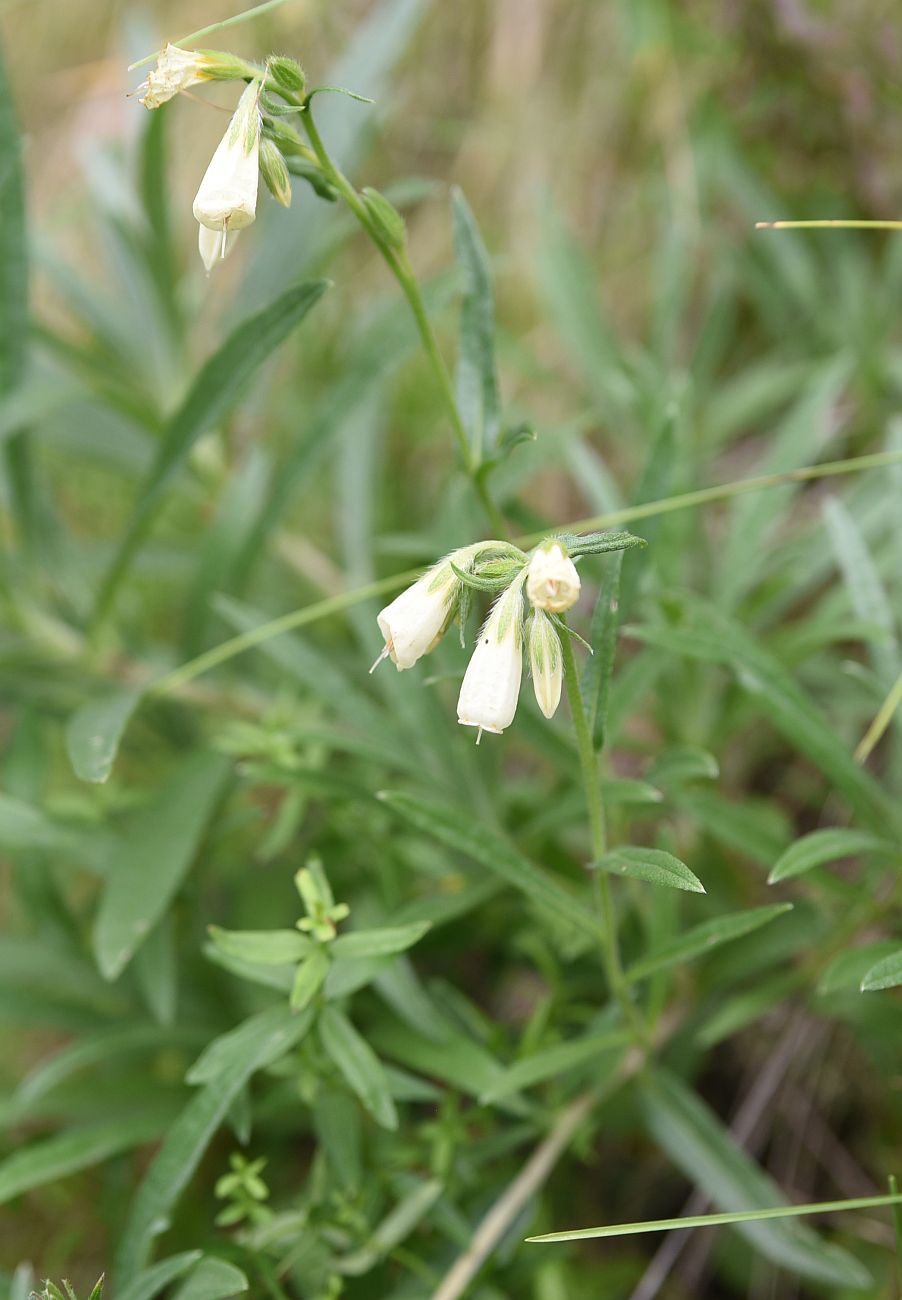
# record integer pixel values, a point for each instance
(416, 620)
(491, 684)
(552, 582)
(546, 662)
(177, 69)
(227, 197)
(215, 245)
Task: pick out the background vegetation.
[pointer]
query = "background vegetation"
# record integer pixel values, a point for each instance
(615, 156)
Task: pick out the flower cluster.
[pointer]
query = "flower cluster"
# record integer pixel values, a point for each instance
(257, 143)
(531, 592)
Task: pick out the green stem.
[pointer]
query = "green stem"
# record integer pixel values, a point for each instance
(399, 264)
(881, 721)
(591, 775)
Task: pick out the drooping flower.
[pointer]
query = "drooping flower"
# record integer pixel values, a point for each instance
(416, 620)
(491, 684)
(177, 69)
(227, 198)
(546, 662)
(214, 245)
(552, 582)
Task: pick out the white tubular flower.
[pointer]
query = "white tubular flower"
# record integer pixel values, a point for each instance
(177, 69)
(491, 684)
(417, 619)
(552, 582)
(215, 245)
(227, 198)
(546, 663)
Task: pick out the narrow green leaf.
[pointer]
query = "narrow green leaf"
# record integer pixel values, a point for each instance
(162, 841)
(701, 939)
(555, 1062)
(846, 971)
(156, 971)
(477, 381)
(212, 1279)
(22, 826)
(215, 390)
(681, 763)
(338, 1126)
(151, 1281)
(393, 1229)
(886, 974)
(309, 978)
(95, 730)
(188, 1138)
(379, 943)
(456, 1060)
(716, 1220)
(92, 1049)
(603, 639)
(462, 833)
(358, 1063)
(268, 947)
(13, 247)
(279, 977)
(271, 1032)
(706, 1152)
(653, 865)
(828, 845)
(77, 1148)
(867, 594)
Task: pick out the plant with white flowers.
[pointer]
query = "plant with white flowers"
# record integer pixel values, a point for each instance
(531, 593)
(258, 142)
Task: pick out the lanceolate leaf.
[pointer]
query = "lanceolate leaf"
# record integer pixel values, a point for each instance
(477, 382)
(76, 1148)
(359, 1064)
(653, 865)
(270, 947)
(886, 974)
(700, 939)
(162, 842)
(212, 1279)
(214, 392)
(151, 1281)
(824, 846)
(190, 1135)
(379, 943)
(697, 1142)
(464, 834)
(94, 732)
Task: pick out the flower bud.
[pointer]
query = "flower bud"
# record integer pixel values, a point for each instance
(416, 620)
(286, 74)
(275, 173)
(386, 217)
(227, 197)
(491, 684)
(552, 582)
(177, 69)
(546, 663)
